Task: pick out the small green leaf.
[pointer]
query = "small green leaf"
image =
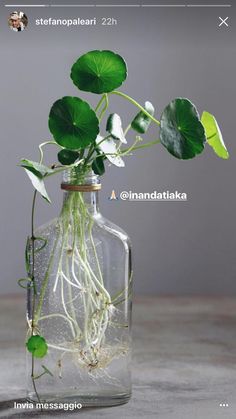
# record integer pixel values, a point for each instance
(67, 157)
(25, 283)
(38, 184)
(214, 136)
(182, 132)
(99, 71)
(141, 121)
(114, 127)
(73, 124)
(39, 170)
(98, 166)
(37, 346)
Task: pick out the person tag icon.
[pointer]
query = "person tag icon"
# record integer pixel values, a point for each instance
(113, 196)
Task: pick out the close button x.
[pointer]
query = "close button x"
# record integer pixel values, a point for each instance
(223, 21)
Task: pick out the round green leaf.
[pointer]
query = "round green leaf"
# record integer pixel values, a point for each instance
(37, 346)
(67, 157)
(99, 71)
(73, 123)
(182, 132)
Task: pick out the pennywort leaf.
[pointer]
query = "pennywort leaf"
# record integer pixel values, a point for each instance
(114, 127)
(37, 346)
(182, 132)
(141, 121)
(99, 71)
(214, 136)
(67, 157)
(73, 124)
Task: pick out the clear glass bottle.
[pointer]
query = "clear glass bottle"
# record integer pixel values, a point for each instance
(83, 278)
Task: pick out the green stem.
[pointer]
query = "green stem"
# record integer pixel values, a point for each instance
(62, 169)
(105, 107)
(99, 103)
(133, 148)
(41, 148)
(72, 308)
(45, 282)
(104, 139)
(127, 129)
(92, 149)
(146, 145)
(34, 289)
(90, 153)
(40, 375)
(94, 250)
(135, 103)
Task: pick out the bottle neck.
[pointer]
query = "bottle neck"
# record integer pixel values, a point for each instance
(81, 190)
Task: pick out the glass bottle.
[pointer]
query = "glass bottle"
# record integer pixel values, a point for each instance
(82, 308)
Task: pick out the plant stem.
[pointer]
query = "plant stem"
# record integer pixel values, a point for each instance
(63, 168)
(146, 145)
(92, 149)
(90, 153)
(69, 285)
(127, 129)
(99, 103)
(34, 289)
(94, 250)
(104, 139)
(41, 148)
(133, 148)
(45, 282)
(134, 102)
(105, 107)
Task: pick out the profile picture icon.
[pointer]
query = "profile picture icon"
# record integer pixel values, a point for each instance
(17, 21)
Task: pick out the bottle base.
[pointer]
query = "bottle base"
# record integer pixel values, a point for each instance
(85, 400)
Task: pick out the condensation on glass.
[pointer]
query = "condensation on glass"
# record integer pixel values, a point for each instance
(83, 278)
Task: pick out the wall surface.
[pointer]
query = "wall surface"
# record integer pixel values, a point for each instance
(178, 247)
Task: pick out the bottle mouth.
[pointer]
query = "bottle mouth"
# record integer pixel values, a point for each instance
(75, 180)
(81, 188)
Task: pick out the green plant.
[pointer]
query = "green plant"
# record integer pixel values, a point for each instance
(75, 128)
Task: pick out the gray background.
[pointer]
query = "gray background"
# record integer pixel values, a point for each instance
(178, 248)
